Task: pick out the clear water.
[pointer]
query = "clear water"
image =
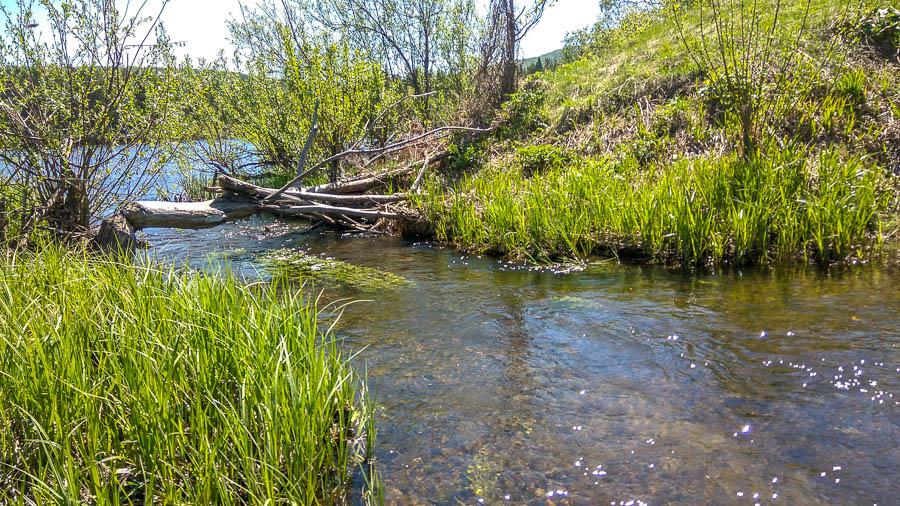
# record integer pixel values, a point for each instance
(497, 383)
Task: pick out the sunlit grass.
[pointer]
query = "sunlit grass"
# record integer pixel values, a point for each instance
(778, 207)
(126, 384)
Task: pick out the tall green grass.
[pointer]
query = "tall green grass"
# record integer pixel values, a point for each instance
(124, 384)
(781, 206)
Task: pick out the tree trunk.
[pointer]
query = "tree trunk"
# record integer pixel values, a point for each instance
(116, 235)
(508, 79)
(3, 222)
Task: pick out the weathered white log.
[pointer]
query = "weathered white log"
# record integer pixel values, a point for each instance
(193, 215)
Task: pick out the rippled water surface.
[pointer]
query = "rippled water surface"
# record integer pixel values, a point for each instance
(502, 384)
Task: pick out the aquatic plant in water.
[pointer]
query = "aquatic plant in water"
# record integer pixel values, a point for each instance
(294, 265)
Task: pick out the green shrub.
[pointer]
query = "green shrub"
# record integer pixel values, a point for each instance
(542, 157)
(882, 26)
(465, 156)
(523, 113)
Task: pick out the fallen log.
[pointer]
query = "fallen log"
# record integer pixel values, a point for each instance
(350, 199)
(118, 231)
(359, 185)
(326, 209)
(244, 188)
(302, 197)
(192, 215)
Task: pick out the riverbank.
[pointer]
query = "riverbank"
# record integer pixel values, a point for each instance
(123, 383)
(635, 152)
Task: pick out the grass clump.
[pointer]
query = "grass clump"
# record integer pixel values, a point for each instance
(784, 206)
(126, 384)
(537, 159)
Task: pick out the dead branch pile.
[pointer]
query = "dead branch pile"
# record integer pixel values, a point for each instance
(343, 205)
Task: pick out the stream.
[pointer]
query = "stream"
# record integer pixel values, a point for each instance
(607, 384)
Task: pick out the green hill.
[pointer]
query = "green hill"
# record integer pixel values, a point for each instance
(548, 60)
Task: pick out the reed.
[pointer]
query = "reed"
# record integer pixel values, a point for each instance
(125, 384)
(779, 206)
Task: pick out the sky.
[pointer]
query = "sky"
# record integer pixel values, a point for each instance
(200, 24)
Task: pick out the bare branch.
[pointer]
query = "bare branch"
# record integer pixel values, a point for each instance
(383, 149)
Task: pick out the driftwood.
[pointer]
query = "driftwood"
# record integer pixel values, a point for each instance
(193, 215)
(326, 209)
(330, 205)
(376, 152)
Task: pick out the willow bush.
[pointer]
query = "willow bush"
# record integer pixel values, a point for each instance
(85, 115)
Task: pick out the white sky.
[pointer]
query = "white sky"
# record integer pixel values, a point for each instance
(200, 24)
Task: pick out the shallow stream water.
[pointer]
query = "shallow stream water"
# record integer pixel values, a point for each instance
(611, 384)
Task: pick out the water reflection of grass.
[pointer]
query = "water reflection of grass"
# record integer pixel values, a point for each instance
(125, 384)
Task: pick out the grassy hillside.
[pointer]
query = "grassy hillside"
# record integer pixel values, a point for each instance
(778, 152)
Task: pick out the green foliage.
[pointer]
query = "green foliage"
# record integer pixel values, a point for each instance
(466, 157)
(277, 113)
(654, 132)
(129, 385)
(620, 22)
(79, 138)
(882, 26)
(523, 113)
(744, 52)
(286, 75)
(540, 158)
(427, 44)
